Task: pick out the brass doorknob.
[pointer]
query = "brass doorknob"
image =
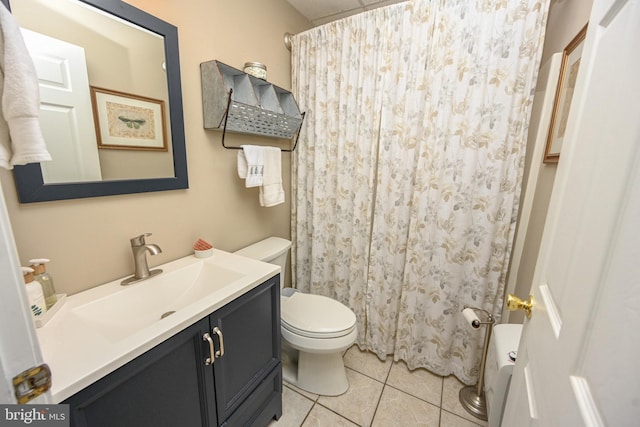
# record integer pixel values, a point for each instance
(514, 303)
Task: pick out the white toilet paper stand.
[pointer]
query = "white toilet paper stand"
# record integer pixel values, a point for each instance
(471, 397)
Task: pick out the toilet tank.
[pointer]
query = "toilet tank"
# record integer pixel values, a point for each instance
(498, 369)
(273, 250)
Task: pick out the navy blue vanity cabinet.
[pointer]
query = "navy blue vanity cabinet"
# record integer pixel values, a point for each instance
(248, 376)
(167, 386)
(171, 385)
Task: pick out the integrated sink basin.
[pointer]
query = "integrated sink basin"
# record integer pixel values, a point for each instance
(135, 307)
(101, 329)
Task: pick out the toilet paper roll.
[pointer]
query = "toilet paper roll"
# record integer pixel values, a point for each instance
(471, 317)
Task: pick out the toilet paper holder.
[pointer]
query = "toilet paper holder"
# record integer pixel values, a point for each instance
(473, 319)
(472, 398)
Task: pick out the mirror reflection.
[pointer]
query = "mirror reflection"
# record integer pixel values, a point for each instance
(104, 93)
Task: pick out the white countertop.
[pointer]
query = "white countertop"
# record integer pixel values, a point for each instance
(80, 352)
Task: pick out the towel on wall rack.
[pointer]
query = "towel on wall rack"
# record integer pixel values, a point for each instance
(251, 165)
(261, 166)
(271, 192)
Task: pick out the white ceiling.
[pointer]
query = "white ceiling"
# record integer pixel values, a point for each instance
(322, 11)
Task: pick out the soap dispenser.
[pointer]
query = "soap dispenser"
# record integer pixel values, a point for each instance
(45, 279)
(34, 293)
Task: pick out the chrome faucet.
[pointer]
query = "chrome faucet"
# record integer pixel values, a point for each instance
(141, 268)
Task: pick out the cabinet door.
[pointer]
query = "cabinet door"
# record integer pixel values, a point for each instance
(250, 327)
(167, 386)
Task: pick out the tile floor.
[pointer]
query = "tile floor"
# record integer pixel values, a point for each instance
(381, 394)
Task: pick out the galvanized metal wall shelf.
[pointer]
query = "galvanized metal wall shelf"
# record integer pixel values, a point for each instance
(237, 102)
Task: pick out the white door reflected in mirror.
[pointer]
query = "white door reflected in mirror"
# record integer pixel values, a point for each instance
(65, 109)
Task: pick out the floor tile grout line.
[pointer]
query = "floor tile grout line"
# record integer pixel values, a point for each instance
(459, 416)
(314, 400)
(384, 385)
(379, 398)
(339, 414)
(369, 376)
(375, 411)
(414, 396)
(308, 413)
(389, 371)
(313, 403)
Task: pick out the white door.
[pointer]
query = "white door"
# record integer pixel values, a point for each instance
(19, 348)
(578, 360)
(66, 115)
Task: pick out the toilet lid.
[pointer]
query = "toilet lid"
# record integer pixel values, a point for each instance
(316, 316)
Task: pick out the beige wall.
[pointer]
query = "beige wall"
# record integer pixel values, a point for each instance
(566, 18)
(88, 239)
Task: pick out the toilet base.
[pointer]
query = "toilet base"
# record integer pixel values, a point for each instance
(318, 373)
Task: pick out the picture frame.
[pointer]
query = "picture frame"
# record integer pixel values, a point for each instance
(128, 122)
(571, 57)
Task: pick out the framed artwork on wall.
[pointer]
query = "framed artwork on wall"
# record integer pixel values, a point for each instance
(128, 122)
(571, 57)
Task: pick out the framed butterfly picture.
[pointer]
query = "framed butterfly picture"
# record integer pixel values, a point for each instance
(571, 57)
(128, 122)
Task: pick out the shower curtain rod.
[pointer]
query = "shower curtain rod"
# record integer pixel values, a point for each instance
(287, 40)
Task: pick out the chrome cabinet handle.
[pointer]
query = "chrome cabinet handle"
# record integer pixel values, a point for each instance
(209, 360)
(218, 332)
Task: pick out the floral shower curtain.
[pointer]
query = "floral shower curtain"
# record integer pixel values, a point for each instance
(407, 175)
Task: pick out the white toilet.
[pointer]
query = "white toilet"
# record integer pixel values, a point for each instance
(315, 329)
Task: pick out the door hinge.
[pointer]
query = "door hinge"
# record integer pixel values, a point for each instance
(32, 383)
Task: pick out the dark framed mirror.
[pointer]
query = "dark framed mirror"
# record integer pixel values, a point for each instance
(126, 163)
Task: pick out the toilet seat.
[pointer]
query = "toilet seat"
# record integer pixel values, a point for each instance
(316, 316)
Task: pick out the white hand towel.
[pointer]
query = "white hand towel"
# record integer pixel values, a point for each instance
(242, 165)
(21, 139)
(251, 165)
(271, 192)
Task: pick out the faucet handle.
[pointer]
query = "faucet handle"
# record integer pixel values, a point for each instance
(139, 240)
